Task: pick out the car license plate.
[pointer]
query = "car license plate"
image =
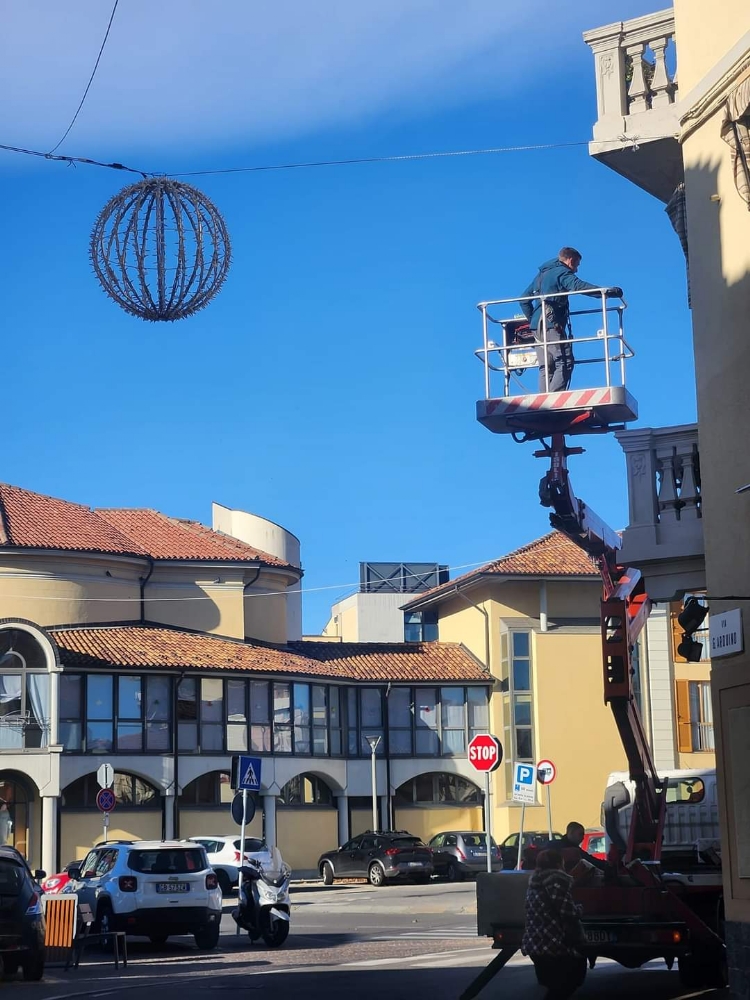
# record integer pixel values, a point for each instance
(173, 887)
(415, 864)
(595, 936)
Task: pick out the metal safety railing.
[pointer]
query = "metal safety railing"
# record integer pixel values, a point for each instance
(520, 347)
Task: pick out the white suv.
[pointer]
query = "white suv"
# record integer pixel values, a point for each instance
(224, 857)
(151, 888)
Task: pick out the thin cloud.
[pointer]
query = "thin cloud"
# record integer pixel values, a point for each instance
(195, 74)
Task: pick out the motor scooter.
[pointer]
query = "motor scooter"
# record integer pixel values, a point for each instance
(264, 905)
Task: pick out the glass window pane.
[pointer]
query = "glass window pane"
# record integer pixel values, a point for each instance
(400, 740)
(302, 704)
(158, 736)
(334, 707)
(320, 741)
(521, 675)
(353, 748)
(99, 702)
(427, 742)
(236, 709)
(188, 735)
(425, 707)
(452, 707)
(424, 790)
(236, 737)
(282, 739)
(302, 739)
(522, 711)
(260, 738)
(157, 699)
(70, 735)
(412, 632)
(99, 737)
(212, 700)
(524, 744)
(259, 710)
(70, 696)
(520, 643)
(478, 714)
(10, 696)
(129, 697)
(129, 737)
(454, 741)
(320, 713)
(371, 707)
(212, 737)
(187, 700)
(351, 706)
(281, 703)
(399, 707)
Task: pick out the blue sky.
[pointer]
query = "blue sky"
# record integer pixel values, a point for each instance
(331, 385)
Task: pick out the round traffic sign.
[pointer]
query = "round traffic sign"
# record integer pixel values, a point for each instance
(105, 800)
(237, 808)
(545, 772)
(485, 752)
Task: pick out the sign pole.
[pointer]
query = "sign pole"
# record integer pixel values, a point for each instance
(105, 824)
(519, 861)
(549, 809)
(488, 819)
(242, 845)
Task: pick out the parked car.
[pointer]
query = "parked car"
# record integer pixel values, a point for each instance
(456, 854)
(595, 843)
(378, 857)
(21, 917)
(56, 883)
(534, 839)
(225, 859)
(151, 888)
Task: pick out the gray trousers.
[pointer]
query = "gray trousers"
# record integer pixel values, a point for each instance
(557, 359)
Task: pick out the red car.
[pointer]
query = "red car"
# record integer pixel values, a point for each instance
(595, 843)
(56, 883)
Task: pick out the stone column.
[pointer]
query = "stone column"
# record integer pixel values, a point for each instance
(383, 812)
(269, 819)
(342, 804)
(49, 834)
(170, 807)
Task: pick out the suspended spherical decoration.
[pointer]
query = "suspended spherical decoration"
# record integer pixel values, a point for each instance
(160, 249)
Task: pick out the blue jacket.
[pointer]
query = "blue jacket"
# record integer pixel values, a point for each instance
(553, 276)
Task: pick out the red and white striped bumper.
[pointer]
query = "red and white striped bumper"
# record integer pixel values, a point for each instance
(576, 411)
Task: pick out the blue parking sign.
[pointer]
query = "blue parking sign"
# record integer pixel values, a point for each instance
(524, 783)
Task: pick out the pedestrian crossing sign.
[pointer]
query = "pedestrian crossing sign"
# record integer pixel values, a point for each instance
(246, 773)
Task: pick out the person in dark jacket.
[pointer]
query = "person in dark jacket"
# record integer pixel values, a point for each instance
(571, 850)
(557, 275)
(552, 920)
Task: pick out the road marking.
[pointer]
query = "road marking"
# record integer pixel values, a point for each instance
(402, 959)
(448, 934)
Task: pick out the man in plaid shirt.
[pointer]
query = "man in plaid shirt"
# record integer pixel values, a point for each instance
(550, 912)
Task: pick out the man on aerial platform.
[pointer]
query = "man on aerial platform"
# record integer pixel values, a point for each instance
(556, 355)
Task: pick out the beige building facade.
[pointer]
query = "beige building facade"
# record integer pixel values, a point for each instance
(680, 79)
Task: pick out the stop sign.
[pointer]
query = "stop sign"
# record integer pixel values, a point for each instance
(485, 752)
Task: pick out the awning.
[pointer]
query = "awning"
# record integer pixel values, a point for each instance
(735, 130)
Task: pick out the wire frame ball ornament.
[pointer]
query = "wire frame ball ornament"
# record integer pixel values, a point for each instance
(160, 249)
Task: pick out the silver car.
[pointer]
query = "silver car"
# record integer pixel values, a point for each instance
(458, 853)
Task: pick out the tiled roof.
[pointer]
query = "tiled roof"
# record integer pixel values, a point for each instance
(549, 556)
(142, 646)
(176, 538)
(33, 520)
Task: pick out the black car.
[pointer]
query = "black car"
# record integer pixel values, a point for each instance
(531, 838)
(21, 916)
(378, 857)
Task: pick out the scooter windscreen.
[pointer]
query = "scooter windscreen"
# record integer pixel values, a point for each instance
(277, 876)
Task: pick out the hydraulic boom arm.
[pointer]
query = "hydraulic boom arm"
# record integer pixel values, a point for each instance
(624, 611)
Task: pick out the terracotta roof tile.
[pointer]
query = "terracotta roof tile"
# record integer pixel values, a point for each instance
(549, 556)
(33, 520)
(142, 646)
(177, 538)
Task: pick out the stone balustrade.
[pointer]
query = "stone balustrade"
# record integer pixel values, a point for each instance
(664, 536)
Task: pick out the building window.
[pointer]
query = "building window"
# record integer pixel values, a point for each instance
(100, 713)
(453, 721)
(212, 715)
(24, 691)
(130, 791)
(371, 718)
(71, 712)
(305, 790)
(420, 626)
(400, 721)
(520, 685)
(438, 789)
(428, 723)
(282, 718)
(695, 720)
(212, 790)
(335, 696)
(320, 719)
(302, 718)
(260, 716)
(237, 720)
(187, 714)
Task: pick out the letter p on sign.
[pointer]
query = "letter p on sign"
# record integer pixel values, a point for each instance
(485, 752)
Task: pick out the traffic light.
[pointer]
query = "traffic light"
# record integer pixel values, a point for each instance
(690, 620)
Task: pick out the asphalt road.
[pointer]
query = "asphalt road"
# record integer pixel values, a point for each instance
(348, 941)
